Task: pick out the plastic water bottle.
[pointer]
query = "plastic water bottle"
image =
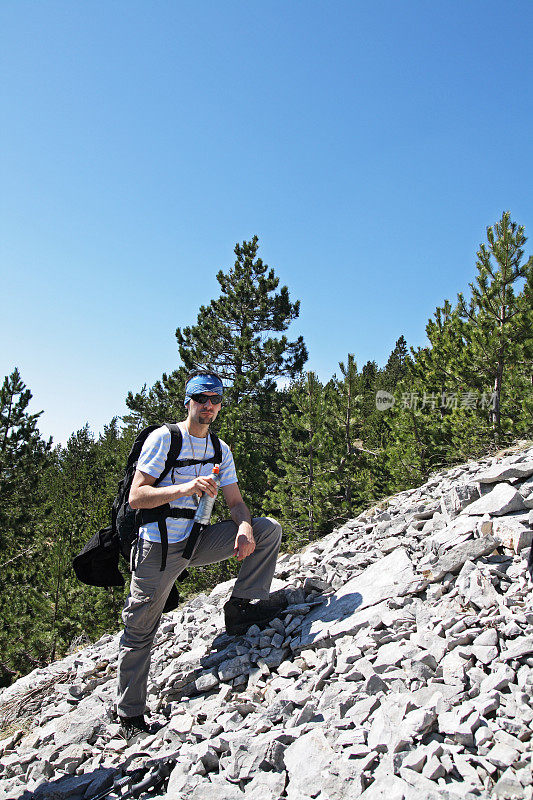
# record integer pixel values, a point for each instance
(205, 506)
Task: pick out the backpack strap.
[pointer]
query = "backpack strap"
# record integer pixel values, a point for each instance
(153, 514)
(176, 440)
(159, 516)
(196, 531)
(216, 458)
(217, 447)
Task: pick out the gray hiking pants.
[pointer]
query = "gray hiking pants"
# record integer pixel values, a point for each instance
(150, 588)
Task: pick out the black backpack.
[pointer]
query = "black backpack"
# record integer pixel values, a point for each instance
(97, 564)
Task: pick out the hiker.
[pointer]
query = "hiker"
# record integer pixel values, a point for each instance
(255, 542)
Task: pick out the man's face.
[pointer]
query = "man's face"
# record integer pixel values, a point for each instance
(203, 413)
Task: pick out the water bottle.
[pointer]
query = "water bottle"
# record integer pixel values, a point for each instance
(205, 506)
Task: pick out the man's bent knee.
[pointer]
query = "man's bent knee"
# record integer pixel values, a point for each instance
(267, 527)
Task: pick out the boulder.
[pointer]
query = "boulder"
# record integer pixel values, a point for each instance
(305, 760)
(456, 557)
(458, 497)
(505, 472)
(503, 499)
(513, 532)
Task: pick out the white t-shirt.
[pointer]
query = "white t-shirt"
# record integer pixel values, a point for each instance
(152, 461)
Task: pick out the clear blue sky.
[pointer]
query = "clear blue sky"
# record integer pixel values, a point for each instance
(368, 145)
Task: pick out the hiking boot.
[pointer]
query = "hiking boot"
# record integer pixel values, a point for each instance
(131, 726)
(240, 614)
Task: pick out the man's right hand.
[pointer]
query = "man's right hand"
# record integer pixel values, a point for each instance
(199, 486)
(143, 494)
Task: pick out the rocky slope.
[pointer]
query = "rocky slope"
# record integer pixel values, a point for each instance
(402, 668)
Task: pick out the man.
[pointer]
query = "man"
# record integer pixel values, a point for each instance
(255, 542)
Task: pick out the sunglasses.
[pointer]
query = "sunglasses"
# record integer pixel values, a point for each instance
(202, 399)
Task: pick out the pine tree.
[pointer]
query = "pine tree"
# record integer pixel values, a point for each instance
(494, 314)
(448, 392)
(524, 370)
(236, 335)
(231, 334)
(346, 392)
(81, 484)
(23, 458)
(162, 402)
(397, 364)
(305, 479)
(346, 429)
(375, 428)
(471, 386)
(433, 422)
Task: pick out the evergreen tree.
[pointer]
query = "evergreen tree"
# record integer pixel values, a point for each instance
(347, 433)
(305, 479)
(437, 419)
(81, 484)
(495, 315)
(231, 334)
(23, 458)
(397, 364)
(346, 392)
(163, 402)
(524, 370)
(448, 393)
(470, 387)
(375, 429)
(368, 386)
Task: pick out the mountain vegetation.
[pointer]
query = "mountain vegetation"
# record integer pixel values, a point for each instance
(311, 453)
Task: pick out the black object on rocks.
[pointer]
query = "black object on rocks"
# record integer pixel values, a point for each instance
(241, 614)
(131, 726)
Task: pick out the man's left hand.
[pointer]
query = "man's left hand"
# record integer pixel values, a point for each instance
(244, 542)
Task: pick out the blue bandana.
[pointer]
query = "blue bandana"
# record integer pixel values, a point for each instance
(202, 383)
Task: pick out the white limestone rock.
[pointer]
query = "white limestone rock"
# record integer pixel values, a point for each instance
(386, 732)
(513, 532)
(457, 531)
(415, 760)
(503, 499)
(265, 786)
(70, 758)
(504, 472)
(233, 667)
(518, 649)
(453, 559)
(489, 638)
(458, 497)
(388, 787)
(501, 755)
(434, 644)
(476, 587)
(305, 759)
(453, 667)
(485, 654)
(499, 679)
(74, 729)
